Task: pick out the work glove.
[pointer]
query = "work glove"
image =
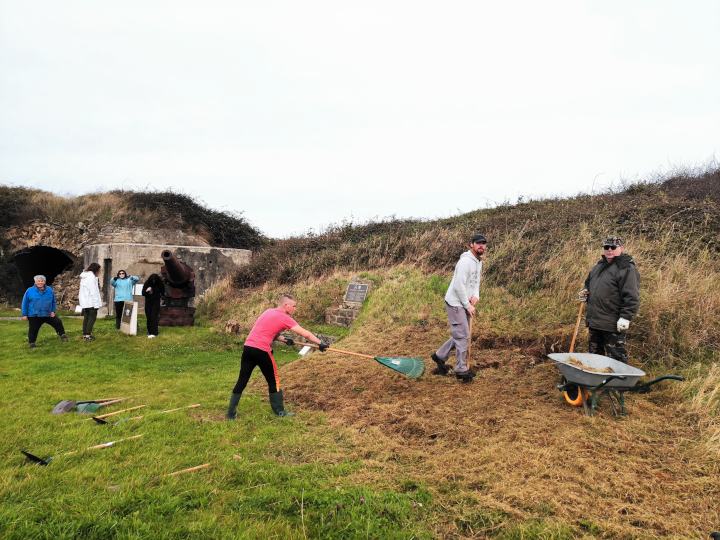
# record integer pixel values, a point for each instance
(583, 295)
(289, 341)
(323, 346)
(622, 324)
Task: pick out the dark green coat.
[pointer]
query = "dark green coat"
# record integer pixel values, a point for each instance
(614, 293)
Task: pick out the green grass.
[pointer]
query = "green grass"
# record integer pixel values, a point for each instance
(270, 477)
(290, 480)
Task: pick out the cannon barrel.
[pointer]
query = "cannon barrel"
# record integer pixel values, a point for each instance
(178, 273)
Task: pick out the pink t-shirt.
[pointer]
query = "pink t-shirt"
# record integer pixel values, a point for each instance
(267, 327)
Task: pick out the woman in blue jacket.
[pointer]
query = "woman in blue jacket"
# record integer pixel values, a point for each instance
(124, 285)
(38, 308)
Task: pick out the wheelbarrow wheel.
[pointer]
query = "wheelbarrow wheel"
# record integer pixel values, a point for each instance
(574, 394)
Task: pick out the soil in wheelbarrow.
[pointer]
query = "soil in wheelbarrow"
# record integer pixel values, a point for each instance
(508, 446)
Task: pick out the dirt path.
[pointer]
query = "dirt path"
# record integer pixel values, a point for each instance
(507, 442)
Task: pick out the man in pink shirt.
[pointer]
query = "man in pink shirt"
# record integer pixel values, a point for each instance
(258, 352)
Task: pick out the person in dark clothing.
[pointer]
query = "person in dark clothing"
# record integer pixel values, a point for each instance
(38, 308)
(153, 290)
(612, 293)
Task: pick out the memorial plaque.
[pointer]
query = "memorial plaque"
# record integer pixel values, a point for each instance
(128, 321)
(356, 292)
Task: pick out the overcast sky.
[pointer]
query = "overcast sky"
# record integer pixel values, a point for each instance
(303, 114)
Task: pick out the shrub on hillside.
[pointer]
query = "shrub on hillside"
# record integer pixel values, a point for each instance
(225, 229)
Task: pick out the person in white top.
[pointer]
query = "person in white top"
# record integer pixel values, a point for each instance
(460, 299)
(89, 299)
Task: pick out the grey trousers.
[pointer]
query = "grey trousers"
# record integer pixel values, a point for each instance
(459, 334)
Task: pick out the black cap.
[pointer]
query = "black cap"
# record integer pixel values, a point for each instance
(613, 241)
(478, 239)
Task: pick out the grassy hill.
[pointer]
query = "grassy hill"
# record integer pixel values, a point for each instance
(539, 255)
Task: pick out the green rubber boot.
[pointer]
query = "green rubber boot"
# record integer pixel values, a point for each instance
(276, 402)
(232, 407)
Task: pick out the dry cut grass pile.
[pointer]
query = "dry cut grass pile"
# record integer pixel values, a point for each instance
(507, 446)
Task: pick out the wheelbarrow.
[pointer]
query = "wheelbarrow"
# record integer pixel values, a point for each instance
(586, 376)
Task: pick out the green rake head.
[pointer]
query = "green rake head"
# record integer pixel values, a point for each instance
(410, 367)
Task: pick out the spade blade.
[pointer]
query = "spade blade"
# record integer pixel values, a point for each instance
(36, 459)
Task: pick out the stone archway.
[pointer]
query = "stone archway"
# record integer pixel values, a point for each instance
(45, 260)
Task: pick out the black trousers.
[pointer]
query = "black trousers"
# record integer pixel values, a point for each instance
(118, 313)
(89, 318)
(34, 324)
(610, 344)
(252, 357)
(152, 313)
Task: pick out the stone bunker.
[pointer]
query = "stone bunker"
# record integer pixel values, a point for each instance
(209, 263)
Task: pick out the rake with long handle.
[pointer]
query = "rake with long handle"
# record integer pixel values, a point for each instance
(577, 327)
(469, 340)
(101, 420)
(46, 461)
(410, 367)
(108, 415)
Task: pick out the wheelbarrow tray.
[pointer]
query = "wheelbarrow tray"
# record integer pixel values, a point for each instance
(587, 378)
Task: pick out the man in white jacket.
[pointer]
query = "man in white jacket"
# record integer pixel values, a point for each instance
(460, 299)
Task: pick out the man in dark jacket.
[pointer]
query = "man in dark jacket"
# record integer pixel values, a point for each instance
(612, 293)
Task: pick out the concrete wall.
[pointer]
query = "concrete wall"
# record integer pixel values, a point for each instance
(209, 263)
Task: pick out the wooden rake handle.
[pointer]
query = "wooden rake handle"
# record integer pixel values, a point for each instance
(577, 326)
(113, 443)
(470, 336)
(341, 351)
(194, 406)
(188, 470)
(117, 412)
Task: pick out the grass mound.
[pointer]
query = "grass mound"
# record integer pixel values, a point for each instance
(505, 456)
(141, 209)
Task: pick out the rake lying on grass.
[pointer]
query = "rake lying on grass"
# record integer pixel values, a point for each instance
(101, 419)
(46, 461)
(410, 367)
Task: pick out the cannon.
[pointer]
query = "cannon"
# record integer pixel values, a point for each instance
(179, 279)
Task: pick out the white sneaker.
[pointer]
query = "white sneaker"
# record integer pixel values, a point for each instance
(151, 336)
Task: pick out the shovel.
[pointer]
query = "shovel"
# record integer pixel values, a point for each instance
(101, 419)
(46, 461)
(67, 405)
(410, 367)
(91, 407)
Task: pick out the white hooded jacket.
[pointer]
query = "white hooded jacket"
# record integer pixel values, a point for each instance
(465, 281)
(89, 296)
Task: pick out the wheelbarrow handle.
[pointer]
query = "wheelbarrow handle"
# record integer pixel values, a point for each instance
(644, 388)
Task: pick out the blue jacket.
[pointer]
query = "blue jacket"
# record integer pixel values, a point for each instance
(124, 288)
(37, 303)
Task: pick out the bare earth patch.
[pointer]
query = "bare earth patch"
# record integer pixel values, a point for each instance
(508, 443)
